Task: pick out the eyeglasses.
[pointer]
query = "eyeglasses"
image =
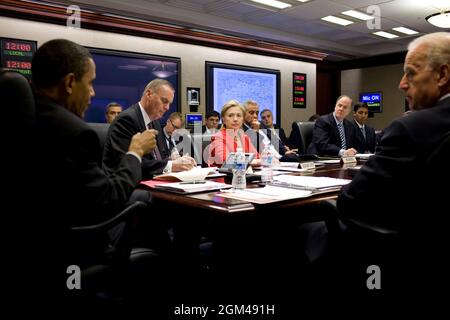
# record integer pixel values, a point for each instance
(178, 128)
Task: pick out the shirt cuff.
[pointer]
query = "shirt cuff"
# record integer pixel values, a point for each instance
(136, 155)
(168, 167)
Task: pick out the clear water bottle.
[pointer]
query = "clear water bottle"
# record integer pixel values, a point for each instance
(266, 162)
(239, 182)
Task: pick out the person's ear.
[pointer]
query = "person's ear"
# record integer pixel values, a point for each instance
(444, 75)
(69, 81)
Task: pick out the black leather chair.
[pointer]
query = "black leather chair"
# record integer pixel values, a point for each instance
(301, 135)
(102, 132)
(116, 278)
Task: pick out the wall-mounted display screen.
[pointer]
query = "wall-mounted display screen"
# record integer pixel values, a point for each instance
(226, 81)
(373, 101)
(193, 119)
(17, 54)
(122, 77)
(299, 90)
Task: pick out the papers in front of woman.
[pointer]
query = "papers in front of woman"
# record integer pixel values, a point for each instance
(195, 174)
(266, 194)
(309, 183)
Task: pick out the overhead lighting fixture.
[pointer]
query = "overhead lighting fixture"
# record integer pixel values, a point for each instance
(274, 3)
(302, 0)
(358, 15)
(405, 30)
(161, 72)
(440, 20)
(336, 20)
(385, 34)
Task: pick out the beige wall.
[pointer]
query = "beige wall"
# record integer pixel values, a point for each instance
(192, 57)
(384, 79)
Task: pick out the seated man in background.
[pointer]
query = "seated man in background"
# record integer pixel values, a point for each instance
(113, 109)
(73, 189)
(333, 135)
(366, 139)
(211, 123)
(177, 138)
(277, 137)
(155, 101)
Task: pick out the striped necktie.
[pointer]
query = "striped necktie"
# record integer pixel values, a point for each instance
(342, 135)
(155, 152)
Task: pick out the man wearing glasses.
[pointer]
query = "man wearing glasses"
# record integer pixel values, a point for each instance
(174, 135)
(155, 101)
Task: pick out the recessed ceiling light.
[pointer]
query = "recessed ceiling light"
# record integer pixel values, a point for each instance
(358, 15)
(385, 34)
(405, 30)
(340, 21)
(303, 0)
(274, 3)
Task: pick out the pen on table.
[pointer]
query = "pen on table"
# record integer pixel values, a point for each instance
(192, 182)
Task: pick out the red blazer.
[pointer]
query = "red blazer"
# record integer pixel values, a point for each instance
(224, 142)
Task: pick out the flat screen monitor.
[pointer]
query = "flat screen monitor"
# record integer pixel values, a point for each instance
(227, 81)
(122, 77)
(373, 101)
(193, 119)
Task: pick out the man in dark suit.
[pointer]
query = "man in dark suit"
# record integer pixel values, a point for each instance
(211, 122)
(155, 101)
(333, 135)
(277, 137)
(365, 136)
(71, 188)
(398, 188)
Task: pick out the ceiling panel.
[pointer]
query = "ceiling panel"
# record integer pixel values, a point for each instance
(298, 26)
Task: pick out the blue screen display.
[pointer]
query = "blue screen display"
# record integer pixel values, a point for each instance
(226, 82)
(373, 100)
(122, 77)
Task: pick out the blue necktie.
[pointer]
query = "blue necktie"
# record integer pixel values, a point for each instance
(342, 136)
(364, 133)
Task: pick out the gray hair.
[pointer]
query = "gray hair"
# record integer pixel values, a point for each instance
(248, 103)
(156, 84)
(437, 47)
(343, 96)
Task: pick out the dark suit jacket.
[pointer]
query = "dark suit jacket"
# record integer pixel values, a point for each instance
(326, 139)
(367, 144)
(394, 189)
(127, 124)
(70, 164)
(69, 188)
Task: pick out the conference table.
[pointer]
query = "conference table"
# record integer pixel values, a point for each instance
(210, 203)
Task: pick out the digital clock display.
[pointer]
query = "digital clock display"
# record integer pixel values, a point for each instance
(17, 54)
(299, 90)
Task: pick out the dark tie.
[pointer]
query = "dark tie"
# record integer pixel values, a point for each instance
(342, 135)
(155, 152)
(364, 133)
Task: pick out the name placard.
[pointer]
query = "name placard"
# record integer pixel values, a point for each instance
(308, 165)
(348, 160)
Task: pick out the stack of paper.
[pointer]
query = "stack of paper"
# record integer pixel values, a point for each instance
(192, 187)
(195, 174)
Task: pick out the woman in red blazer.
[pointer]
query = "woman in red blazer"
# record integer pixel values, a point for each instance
(230, 136)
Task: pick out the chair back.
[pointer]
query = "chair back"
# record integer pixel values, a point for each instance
(301, 135)
(102, 132)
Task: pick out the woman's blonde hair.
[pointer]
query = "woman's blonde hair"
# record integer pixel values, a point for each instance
(230, 104)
